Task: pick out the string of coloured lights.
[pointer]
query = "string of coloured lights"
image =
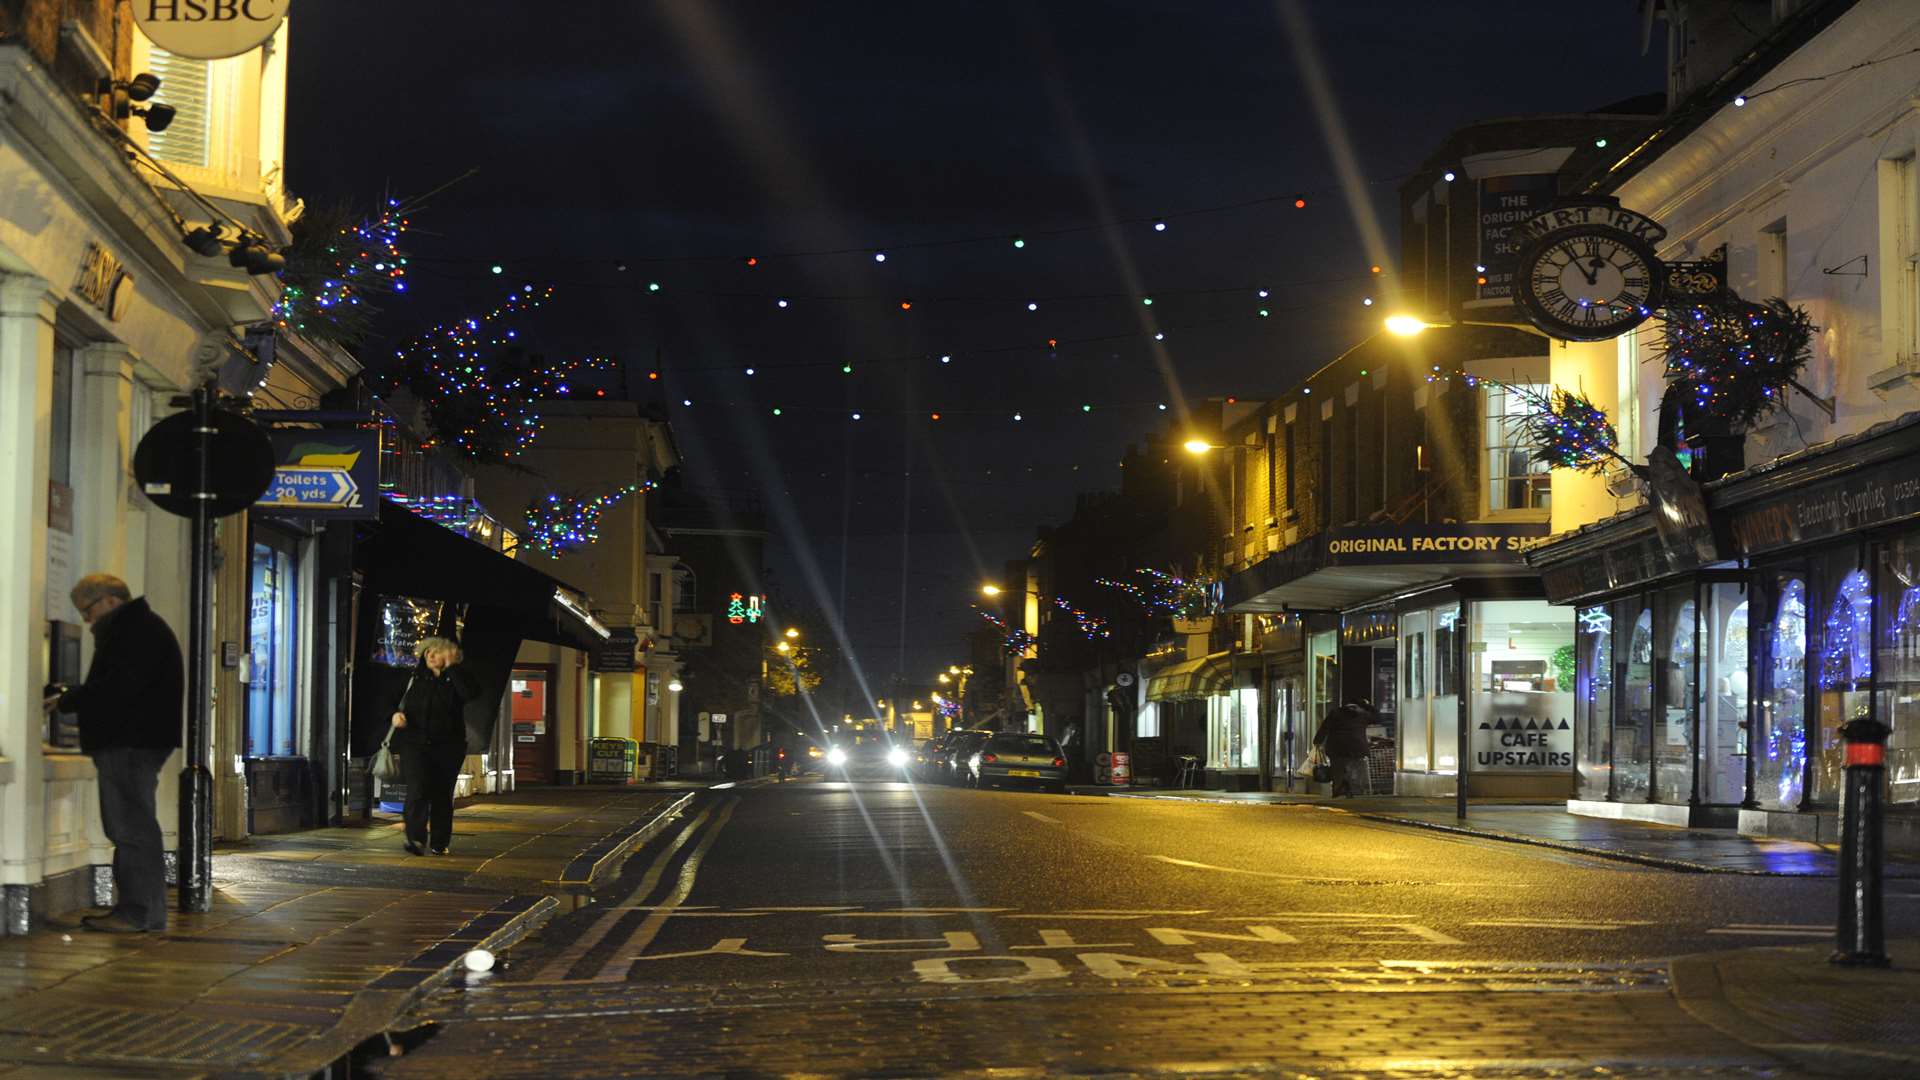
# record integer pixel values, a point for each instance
(337, 274)
(1740, 100)
(1013, 641)
(1090, 626)
(560, 524)
(1167, 594)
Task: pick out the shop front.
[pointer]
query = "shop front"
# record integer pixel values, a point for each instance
(1714, 694)
(1444, 629)
(1189, 723)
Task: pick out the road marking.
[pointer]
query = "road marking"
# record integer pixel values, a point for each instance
(733, 946)
(616, 969)
(1167, 935)
(915, 912)
(1556, 924)
(557, 967)
(1772, 929)
(1037, 816)
(939, 969)
(803, 907)
(1061, 939)
(949, 941)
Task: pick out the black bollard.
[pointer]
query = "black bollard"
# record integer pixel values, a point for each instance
(1860, 935)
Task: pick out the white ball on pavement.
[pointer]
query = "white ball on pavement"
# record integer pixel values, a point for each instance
(479, 960)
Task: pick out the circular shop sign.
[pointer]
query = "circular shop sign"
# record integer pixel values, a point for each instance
(209, 29)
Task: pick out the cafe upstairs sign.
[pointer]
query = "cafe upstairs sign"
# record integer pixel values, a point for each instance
(209, 29)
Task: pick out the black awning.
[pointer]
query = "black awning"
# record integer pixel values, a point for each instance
(411, 556)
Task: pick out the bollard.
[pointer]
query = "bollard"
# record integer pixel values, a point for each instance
(1860, 935)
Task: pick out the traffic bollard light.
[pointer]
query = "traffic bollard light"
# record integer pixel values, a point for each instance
(1860, 935)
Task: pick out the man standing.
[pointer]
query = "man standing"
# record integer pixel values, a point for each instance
(130, 714)
(1343, 736)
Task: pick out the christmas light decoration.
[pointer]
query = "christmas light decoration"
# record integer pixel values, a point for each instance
(743, 609)
(1161, 593)
(1563, 427)
(1730, 364)
(560, 524)
(1090, 626)
(338, 271)
(1013, 641)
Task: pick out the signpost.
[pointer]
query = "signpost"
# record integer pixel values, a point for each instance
(203, 464)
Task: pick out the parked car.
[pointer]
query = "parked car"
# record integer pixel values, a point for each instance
(1018, 759)
(960, 746)
(925, 759)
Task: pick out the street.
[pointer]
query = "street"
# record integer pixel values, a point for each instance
(892, 929)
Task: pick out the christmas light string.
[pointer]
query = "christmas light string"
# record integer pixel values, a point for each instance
(1740, 100)
(1564, 427)
(1013, 641)
(1090, 626)
(560, 524)
(1736, 359)
(1162, 593)
(338, 271)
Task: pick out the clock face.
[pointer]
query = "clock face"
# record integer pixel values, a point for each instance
(1588, 283)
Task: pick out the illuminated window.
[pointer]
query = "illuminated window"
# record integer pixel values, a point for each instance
(1516, 477)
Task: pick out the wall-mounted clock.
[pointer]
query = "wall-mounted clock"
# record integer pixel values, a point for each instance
(1589, 282)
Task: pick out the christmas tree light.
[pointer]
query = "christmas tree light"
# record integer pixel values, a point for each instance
(338, 271)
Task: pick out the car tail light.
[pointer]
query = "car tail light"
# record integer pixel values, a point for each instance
(988, 759)
(1059, 763)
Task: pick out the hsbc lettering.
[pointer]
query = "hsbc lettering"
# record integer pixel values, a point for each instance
(211, 10)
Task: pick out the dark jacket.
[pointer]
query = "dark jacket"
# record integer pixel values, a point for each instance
(1343, 734)
(135, 684)
(436, 708)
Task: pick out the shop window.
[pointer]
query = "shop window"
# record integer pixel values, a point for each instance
(273, 629)
(1899, 664)
(1522, 718)
(1846, 668)
(1443, 719)
(1633, 726)
(1323, 673)
(189, 89)
(1516, 476)
(1593, 701)
(1723, 681)
(1673, 737)
(1415, 755)
(1146, 722)
(1232, 731)
(1780, 744)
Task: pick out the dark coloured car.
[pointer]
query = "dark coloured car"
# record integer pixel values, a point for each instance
(959, 746)
(1017, 759)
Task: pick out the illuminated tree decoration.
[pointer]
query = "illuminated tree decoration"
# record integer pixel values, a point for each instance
(1090, 626)
(1563, 427)
(560, 524)
(1013, 641)
(736, 609)
(1731, 364)
(1162, 593)
(480, 387)
(340, 268)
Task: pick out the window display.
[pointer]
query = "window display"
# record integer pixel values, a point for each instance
(272, 685)
(1846, 666)
(1678, 695)
(1414, 749)
(1593, 702)
(1899, 663)
(1723, 684)
(1522, 716)
(1444, 713)
(1633, 726)
(1780, 744)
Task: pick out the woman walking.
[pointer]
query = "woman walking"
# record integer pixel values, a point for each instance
(431, 735)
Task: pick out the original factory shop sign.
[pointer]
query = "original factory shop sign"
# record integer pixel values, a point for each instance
(1360, 545)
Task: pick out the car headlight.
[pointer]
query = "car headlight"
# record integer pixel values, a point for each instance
(897, 758)
(836, 756)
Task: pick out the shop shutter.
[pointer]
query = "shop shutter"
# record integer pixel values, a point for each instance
(185, 84)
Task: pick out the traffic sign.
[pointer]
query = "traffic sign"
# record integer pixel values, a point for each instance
(239, 463)
(312, 488)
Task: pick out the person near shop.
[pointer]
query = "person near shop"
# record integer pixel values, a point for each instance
(431, 735)
(130, 713)
(1343, 738)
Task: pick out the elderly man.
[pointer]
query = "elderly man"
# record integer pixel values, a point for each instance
(130, 713)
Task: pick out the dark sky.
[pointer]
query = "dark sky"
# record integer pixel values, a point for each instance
(676, 138)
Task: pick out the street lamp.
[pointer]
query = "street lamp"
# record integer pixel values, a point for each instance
(1198, 446)
(792, 632)
(990, 589)
(945, 678)
(1408, 325)
(783, 647)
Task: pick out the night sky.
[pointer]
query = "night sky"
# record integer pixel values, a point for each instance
(619, 144)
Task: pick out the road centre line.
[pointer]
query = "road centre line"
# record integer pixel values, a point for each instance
(1555, 924)
(557, 967)
(1768, 930)
(616, 969)
(1037, 816)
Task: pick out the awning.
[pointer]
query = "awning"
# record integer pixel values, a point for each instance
(1202, 678)
(1347, 566)
(411, 556)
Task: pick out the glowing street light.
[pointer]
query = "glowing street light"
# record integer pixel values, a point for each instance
(792, 632)
(783, 647)
(1407, 325)
(1197, 447)
(945, 678)
(990, 589)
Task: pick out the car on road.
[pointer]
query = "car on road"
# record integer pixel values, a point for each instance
(1017, 759)
(959, 745)
(867, 757)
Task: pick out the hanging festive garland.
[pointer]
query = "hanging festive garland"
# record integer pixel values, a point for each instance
(1090, 626)
(339, 269)
(560, 524)
(1013, 641)
(1162, 593)
(1564, 427)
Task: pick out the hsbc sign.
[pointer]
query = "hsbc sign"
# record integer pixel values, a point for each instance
(209, 29)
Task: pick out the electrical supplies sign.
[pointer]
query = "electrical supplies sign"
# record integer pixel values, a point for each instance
(209, 29)
(324, 474)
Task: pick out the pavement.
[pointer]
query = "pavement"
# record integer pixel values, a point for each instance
(314, 942)
(1550, 825)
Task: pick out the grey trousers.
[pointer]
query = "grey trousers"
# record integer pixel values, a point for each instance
(1350, 776)
(128, 776)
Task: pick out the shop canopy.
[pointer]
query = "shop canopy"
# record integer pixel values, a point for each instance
(411, 556)
(1202, 678)
(1351, 565)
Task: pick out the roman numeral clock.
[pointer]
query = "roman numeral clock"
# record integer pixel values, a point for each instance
(1589, 272)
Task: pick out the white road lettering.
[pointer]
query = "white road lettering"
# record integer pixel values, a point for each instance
(1398, 933)
(1121, 966)
(951, 941)
(940, 969)
(1167, 935)
(1041, 817)
(733, 946)
(1060, 939)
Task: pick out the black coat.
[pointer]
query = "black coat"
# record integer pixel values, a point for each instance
(135, 684)
(1343, 734)
(436, 708)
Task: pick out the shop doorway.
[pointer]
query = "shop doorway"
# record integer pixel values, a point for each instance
(532, 704)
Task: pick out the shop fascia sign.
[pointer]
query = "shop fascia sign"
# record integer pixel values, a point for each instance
(1498, 543)
(104, 282)
(209, 29)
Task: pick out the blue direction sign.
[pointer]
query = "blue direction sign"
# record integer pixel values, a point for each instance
(324, 474)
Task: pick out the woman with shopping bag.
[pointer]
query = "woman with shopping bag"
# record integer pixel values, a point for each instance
(430, 733)
(1342, 742)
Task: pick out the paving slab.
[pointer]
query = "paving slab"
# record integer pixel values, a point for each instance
(314, 942)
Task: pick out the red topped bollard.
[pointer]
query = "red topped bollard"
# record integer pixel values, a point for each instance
(1861, 939)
